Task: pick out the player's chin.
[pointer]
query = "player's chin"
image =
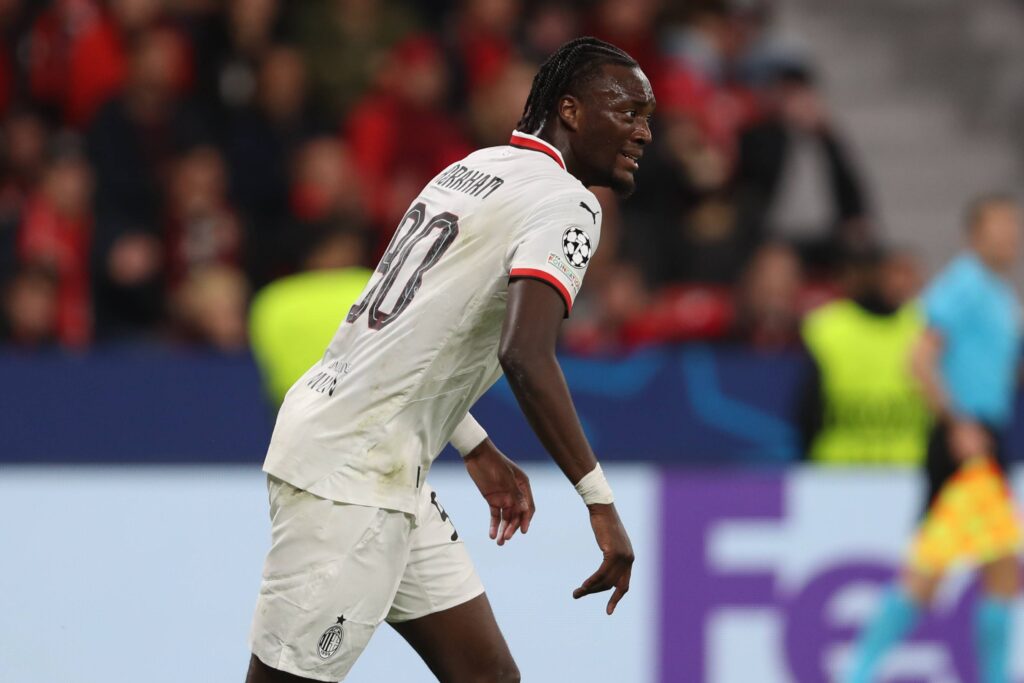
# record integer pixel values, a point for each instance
(623, 183)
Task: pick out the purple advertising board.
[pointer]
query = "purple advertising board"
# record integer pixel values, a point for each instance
(769, 577)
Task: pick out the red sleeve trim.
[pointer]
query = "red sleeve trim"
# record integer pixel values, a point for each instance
(547, 277)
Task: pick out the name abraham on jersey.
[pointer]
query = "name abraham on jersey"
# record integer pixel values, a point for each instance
(576, 246)
(465, 179)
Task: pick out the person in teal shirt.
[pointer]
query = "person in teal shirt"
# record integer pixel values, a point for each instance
(967, 363)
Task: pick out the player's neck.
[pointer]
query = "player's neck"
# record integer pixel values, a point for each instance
(992, 263)
(558, 138)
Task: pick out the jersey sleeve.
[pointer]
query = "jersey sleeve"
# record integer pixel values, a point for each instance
(556, 243)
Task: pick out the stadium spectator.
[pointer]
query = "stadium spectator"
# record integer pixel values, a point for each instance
(633, 27)
(23, 146)
(482, 42)
(702, 74)
(401, 135)
(55, 235)
(683, 226)
(337, 246)
(260, 79)
(131, 143)
(861, 404)
(795, 180)
(231, 45)
(344, 42)
(80, 52)
(259, 145)
(768, 300)
(28, 318)
(25, 137)
(546, 25)
(326, 198)
(492, 106)
(209, 308)
(688, 226)
(202, 228)
(12, 16)
(325, 181)
(605, 322)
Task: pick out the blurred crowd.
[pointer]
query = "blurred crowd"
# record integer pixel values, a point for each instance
(162, 160)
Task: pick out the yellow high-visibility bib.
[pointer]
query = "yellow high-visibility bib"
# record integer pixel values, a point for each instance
(292, 320)
(874, 412)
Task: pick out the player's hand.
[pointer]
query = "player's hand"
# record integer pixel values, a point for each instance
(618, 556)
(968, 439)
(505, 487)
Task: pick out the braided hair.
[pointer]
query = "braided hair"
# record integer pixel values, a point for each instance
(563, 72)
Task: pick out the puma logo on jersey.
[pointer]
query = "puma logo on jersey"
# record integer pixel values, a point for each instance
(593, 214)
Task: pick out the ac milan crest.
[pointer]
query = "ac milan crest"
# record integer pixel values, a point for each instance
(330, 641)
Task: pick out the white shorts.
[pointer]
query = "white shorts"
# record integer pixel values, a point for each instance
(335, 571)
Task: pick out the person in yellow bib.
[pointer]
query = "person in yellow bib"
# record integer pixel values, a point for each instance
(967, 361)
(292, 319)
(862, 405)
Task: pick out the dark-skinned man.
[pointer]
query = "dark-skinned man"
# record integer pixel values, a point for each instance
(482, 269)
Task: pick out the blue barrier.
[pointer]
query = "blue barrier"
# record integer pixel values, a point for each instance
(130, 405)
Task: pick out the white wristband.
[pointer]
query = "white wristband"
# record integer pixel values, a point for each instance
(594, 488)
(467, 436)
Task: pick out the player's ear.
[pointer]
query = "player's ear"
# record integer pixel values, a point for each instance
(569, 112)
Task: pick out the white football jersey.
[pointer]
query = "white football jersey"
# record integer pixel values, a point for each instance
(420, 346)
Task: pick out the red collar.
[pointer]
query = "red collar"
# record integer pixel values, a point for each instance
(527, 141)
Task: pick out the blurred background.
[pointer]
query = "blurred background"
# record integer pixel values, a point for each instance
(193, 192)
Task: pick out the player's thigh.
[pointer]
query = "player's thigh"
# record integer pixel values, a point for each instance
(261, 673)
(440, 607)
(329, 580)
(439, 572)
(462, 644)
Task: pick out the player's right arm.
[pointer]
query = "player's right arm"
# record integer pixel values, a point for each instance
(527, 354)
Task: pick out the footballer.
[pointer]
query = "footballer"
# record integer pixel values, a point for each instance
(476, 281)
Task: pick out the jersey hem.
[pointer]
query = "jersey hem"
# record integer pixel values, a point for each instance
(324, 490)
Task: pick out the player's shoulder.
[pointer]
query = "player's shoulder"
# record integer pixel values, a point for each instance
(525, 177)
(529, 161)
(571, 203)
(963, 274)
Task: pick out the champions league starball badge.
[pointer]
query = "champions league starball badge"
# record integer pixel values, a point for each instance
(576, 247)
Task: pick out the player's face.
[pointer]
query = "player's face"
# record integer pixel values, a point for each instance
(614, 127)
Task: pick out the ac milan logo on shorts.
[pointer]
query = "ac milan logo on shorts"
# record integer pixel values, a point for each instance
(330, 641)
(576, 246)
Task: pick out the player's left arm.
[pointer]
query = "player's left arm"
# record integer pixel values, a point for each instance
(501, 482)
(547, 259)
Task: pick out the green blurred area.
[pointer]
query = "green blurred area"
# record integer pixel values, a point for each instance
(292, 320)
